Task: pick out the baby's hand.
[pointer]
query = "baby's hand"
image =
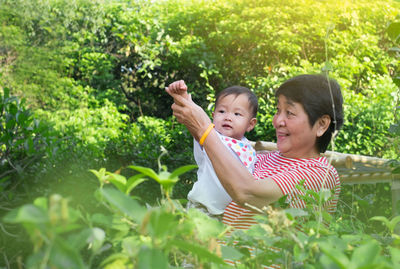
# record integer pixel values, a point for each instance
(178, 87)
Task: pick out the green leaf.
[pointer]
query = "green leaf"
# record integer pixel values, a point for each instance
(63, 255)
(231, 253)
(152, 258)
(181, 170)
(26, 214)
(296, 212)
(96, 238)
(205, 226)
(394, 30)
(131, 245)
(118, 181)
(41, 202)
(79, 240)
(395, 254)
(201, 252)
(124, 203)
(101, 175)
(338, 257)
(365, 254)
(146, 171)
(101, 219)
(162, 224)
(134, 181)
(383, 219)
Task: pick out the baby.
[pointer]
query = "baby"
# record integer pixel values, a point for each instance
(234, 114)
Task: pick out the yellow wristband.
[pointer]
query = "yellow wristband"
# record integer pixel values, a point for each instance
(206, 133)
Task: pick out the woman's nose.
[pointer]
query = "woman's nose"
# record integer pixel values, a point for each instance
(279, 120)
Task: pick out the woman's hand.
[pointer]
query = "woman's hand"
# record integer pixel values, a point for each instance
(188, 113)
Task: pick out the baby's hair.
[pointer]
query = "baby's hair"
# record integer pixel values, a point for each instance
(238, 90)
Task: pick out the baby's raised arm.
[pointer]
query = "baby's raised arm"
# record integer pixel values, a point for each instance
(179, 87)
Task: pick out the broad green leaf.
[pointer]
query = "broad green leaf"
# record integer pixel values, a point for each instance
(395, 254)
(181, 170)
(383, 219)
(365, 254)
(124, 203)
(166, 176)
(201, 252)
(205, 226)
(115, 261)
(101, 219)
(79, 240)
(118, 181)
(296, 212)
(338, 257)
(162, 224)
(134, 181)
(231, 253)
(131, 245)
(146, 171)
(96, 238)
(152, 258)
(63, 255)
(26, 214)
(41, 202)
(101, 175)
(394, 30)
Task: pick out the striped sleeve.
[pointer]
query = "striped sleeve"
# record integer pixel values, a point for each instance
(315, 178)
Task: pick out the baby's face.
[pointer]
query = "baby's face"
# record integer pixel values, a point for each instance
(232, 116)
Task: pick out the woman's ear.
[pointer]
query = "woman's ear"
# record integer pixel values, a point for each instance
(252, 123)
(323, 124)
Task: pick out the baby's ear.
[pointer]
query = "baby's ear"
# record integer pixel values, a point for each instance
(252, 123)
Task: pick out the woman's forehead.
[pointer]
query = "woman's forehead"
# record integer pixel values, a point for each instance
(282, 99)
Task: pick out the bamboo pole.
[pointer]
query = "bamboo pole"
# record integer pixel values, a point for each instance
(338, 159)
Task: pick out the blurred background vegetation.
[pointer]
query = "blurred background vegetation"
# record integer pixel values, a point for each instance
(82, 85)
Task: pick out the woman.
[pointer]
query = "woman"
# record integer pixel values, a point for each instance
(305, 121)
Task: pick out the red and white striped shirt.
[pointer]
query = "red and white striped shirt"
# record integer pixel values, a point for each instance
(317, 173)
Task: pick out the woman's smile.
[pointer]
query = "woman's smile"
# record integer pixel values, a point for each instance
(295, 136)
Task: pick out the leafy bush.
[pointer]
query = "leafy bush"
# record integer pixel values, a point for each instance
(128, 234)
(24, 139)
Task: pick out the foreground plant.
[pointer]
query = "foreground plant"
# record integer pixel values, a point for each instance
(127, 234)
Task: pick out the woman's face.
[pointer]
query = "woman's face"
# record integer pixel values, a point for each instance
(295, 137)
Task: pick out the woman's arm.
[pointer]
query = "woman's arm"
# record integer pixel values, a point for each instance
(234, 177)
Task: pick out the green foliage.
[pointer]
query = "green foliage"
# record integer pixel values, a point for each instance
(24, 139)
(394, 34)
(128, 234)
(96, 71)
(128, 52)
(89, 130)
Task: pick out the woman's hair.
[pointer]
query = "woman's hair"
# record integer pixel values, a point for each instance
(315, 94)
(238, 90)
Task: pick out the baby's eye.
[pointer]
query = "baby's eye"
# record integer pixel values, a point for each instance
(238, 114)
(221, 111)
